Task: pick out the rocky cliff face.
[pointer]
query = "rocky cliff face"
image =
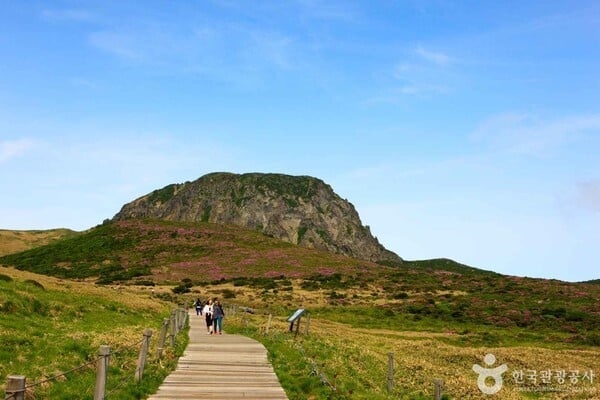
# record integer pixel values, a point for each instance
(297, 209)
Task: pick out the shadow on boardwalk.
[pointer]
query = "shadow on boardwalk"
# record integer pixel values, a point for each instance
(225, 367)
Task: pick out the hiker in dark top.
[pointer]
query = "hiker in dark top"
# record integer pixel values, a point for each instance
(207, 311)
(218, 315)
(198, 305)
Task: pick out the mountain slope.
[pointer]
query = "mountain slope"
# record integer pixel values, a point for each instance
(171, 251)
(14, 241)
(427, 293)
(297, 209)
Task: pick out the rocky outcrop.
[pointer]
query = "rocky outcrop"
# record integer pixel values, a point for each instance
(299, 209)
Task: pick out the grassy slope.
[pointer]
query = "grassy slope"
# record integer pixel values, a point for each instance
(410, 308)
(439, 294)
(12, 241)
(354, 362)
(169, 251)
(48, 326)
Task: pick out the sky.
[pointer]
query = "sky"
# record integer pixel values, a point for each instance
(467, 130)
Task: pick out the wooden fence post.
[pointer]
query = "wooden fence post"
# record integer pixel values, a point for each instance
(161, 338)
(15, 387)
(390, 377)
(173, 329)
(101, 372)
(268, 324)
(438, 388)
(184, 315)
(307, 323)
(176, 316)
(139, 371)
(297, 326)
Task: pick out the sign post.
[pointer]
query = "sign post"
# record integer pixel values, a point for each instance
(295, 318)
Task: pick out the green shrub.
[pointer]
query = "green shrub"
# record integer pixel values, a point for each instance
(228, 294)
(181, 289)
(35, 283)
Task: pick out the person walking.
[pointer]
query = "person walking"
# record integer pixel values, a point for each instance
(198, 305)
(207, 311)
(218, 315)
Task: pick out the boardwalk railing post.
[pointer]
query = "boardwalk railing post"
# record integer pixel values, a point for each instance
(139, 371)
(438, 388)
(15, 387)
(184, 315)
(173, 329)
(101, 372)
(390, 378)
(161, 338)
(268, 324)
(176, 316)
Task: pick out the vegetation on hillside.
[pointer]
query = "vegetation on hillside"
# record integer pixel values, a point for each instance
(439, 317)
(438, 293)
(340, 361)
(170, 251)
(12, 241)
(48, 327)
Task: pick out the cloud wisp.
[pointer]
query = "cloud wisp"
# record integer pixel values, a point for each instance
(437, 58)
(529, 135)
(589, 194)
(10, 149)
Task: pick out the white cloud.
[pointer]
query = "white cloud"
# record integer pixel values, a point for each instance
(589, 194)
(328, 10)
(422, 73)
(75, 15)
(272, 48)
(438, 58)
(528, 134)
(14, 148)
(119, 44)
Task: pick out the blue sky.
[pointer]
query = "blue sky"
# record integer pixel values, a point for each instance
(468, 130)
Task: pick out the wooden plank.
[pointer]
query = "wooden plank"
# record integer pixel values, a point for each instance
(221, 367)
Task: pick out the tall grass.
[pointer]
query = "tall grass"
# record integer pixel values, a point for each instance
(341, 361)
(48, 327)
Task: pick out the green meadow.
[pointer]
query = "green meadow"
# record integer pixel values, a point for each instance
(61, 301)
(50, 326)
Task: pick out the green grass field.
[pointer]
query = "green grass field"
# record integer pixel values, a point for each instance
(49, 326)
(438, 317)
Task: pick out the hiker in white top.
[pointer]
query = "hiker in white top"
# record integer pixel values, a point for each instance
(207, 311)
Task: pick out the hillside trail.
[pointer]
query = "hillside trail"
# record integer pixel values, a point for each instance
(221, 367)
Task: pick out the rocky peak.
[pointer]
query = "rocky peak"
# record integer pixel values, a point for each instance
(298, 209)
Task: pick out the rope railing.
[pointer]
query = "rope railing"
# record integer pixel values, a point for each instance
(55, 377)
(16, 388)
(277, 335)
(126, 348)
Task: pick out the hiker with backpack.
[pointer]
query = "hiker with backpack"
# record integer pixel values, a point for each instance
(198, 306)
(218, 315)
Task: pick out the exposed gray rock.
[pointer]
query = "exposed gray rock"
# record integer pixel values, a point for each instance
(299, 209)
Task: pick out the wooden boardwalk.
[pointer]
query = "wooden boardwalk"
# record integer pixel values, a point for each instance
(221, 367)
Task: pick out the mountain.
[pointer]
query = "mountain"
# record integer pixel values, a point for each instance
(297, 209)
(12, 241)
(168, 251)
